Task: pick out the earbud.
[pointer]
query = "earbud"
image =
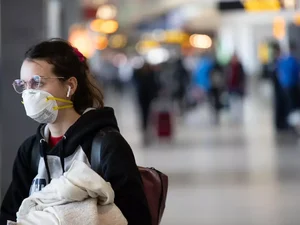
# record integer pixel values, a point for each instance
(69, 91)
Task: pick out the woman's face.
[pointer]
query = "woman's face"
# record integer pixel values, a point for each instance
(49, 82)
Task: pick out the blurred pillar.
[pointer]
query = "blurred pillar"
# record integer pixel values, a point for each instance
(239, 39)
(293, 37)
(71, 14)
(226, 40)
(54, 18)
(22, 24)
(246, 48)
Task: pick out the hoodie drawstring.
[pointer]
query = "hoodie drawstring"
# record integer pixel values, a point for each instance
(43, 147)
(62, 155)
(43, 152)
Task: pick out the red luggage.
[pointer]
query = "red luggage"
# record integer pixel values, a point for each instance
(162, 118)
(164, 124)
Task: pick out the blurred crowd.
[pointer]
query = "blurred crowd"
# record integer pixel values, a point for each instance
(173, 88)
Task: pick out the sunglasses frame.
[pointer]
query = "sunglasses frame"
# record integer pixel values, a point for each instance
(28, 82)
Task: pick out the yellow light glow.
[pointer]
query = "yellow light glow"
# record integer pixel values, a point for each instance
(118, 41)
(262, 5)
(279, 28)
(263, 52)
(101, 42)
(104, 26)
(200, 41)
(106, 12)
(109, 26)
(289, 4)
(146, 45)
(96, 25)
(79, 38)
(297, 19)
(175, 37)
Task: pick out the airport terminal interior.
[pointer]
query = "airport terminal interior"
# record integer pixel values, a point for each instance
(223, 117)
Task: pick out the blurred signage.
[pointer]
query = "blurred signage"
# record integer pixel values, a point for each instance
(257, 5)
(262, 5)
(230, 5)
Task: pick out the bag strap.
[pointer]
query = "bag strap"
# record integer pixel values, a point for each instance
(35, 157)
(96, 151)
(97, 147)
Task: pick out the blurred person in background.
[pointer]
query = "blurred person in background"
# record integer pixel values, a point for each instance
(182, 80)
(201, 76)
(236, 83)
(278, 102)
(288, 72)
(145, 80)
(217, 90)
(209, 77)
(125, 74)
(60, 93)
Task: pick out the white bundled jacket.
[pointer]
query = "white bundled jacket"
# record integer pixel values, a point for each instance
(78, 197)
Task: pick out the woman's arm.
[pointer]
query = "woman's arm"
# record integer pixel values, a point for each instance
(20, 185)
(119, 168)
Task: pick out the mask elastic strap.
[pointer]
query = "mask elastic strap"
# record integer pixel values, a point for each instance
(59, 99)
(63, 107)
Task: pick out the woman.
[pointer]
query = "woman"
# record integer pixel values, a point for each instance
(58, 91)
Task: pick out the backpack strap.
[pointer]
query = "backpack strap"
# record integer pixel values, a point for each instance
(96, 151)
(97, 147)
(35, 157)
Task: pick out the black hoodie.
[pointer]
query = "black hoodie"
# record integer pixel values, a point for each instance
(118, 166)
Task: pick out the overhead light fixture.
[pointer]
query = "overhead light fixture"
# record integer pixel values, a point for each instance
(157, 56)
(96, 24)
(289, 4)
(80, 39)
(104, 26)
(101, 42)
(109, 27)
(200, 41)
(106, 12)
(279, 27)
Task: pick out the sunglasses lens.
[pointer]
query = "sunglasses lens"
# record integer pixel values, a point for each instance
(19, 86)
(35, 82)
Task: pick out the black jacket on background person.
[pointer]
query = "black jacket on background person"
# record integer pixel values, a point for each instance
(118, 166)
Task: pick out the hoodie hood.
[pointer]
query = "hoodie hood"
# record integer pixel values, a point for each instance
(90, 123)
(84, 129)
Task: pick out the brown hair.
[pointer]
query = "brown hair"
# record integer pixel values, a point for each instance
(69, 62)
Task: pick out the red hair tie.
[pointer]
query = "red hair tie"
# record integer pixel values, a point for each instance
(79, 54)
